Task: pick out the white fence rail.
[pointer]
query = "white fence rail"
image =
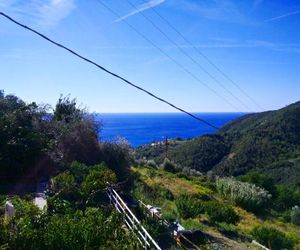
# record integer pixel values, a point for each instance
(131, 221)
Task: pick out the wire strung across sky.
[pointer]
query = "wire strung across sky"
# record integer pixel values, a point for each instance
(226, 76)
(107, 71)
(168, 56)
(189, 56)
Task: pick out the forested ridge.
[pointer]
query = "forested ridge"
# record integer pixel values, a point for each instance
(267, 142)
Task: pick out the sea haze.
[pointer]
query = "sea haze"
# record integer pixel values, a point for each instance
(145, 128)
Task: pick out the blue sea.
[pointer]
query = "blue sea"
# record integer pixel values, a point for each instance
(139, 129)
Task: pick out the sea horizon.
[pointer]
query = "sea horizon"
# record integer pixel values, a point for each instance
(144, 128)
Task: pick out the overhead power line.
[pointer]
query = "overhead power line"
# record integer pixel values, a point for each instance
(185, 69)
(226, 76)
(107, 71)
(189, 56)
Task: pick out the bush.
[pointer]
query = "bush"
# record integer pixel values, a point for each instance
(151, 163)
(64, 184)
(219, 212)
(169, 166)
(97, 181)
(261, 180)
(246, 195)
(295, 215)
(117, 157)
(272, 238)
(189, 206)
(286, 198)
(79, 170)
(228, 230)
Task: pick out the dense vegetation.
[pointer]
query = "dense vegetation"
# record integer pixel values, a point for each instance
(190, 184)
(64, 146)
(252, 163)
(34, 142)
(214, 207)
(75, 217)
(267, 143)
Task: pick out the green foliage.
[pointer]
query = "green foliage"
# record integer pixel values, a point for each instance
(73, 135)
(97, 180)
(287, 197)
(295, 215)
(265, 143)
(89, 229)
(79, 170)
(246, 195)
(200, 153)
(155, 194)
(168, 166)
(57, 205)
(63, 182)
(189, 206)
(21, 138)
(272, 238)
(66, 110)
(65, 186)
(117, 156)
(261, 141)
(219, 212)
(261, 180)
(228, 229)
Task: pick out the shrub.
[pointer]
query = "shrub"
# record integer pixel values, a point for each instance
(286, 198)
(295, 215)
(169, 166)
(260, 180)
(246, 195)
(162, 192)
(189, 206)
(151, 163)
(64, 184)
(118, 158)
(272, 238)
(228, 229)
(79, 170)
(97, 181)
(219, 212)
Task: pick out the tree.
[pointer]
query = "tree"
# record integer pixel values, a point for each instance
(74, 134)
(117, 156)
(21, 141)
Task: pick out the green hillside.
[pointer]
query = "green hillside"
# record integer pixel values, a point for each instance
(266, 142)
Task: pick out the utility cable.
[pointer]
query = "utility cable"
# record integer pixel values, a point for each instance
(206, 57)
(106, 70)
(189, 56)
(168, 56)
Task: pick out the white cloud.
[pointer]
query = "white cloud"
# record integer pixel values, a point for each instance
(140, 8)
(53, 11)
(283, 16)
(46, 13)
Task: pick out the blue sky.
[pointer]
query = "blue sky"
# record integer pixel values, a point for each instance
(255, 42)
